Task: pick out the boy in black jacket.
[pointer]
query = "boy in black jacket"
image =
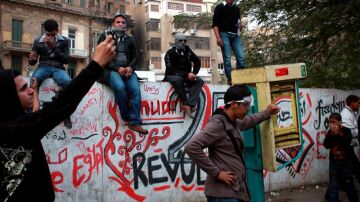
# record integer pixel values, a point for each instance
(341, 167)
(24, 173)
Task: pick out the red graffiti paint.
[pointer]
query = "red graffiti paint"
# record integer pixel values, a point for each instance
(201, 188)
(187, 188)
(85, 164)
(177, 182)
(208, 105)
(320, 136)
(62, 157)
(162, 188)
(133, 142)
(57, 178)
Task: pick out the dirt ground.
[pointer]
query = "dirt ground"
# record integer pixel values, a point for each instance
(311, 193)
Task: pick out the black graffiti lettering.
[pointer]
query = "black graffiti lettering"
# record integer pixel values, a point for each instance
(318, 110)
(152, 168)
(322, 111)
(138, 173)
(188, 170)
(172, 171)
(302, 108)
(326, 123)
(283, 116)
(188, 178)
(199, 181)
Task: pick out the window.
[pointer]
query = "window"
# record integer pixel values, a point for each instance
(122, 9)
(82, 3)
(199, 43)
(156, 61)
(110, 8)
(71, 69)
(17, 30)
(154, 8)
(94, 38)
(205, 62)
(193, 8)
(16, 62)
(175, 6)
(153, 25)
(42, 29)
(69, 1)
(71, 36)
(147, 63)
(155, 44)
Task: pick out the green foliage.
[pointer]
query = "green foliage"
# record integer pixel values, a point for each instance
(201, 21)
(325, 34)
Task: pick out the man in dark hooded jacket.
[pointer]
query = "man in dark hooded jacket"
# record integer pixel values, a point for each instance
(24, 173)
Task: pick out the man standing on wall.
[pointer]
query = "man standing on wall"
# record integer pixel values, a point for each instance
(226, 177)
(121, 76)
(52, 51)
(226, 25)
(24, 172)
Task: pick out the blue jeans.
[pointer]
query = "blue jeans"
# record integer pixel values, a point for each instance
(341, 174)
(127, 96)
(222, 199)
(232, 41)
(59, 75)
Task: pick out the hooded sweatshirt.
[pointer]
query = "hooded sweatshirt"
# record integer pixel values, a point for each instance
(24, 173)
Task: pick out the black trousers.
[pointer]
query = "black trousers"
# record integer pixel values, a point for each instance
(179, 85)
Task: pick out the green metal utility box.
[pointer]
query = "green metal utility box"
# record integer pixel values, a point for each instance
(276, 84)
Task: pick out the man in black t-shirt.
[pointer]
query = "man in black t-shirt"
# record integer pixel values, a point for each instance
(226, 25)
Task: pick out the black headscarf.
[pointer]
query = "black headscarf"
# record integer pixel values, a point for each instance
(10, 105)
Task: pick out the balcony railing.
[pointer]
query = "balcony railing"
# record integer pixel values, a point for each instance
(54, 2)
(17, 46)
(78, 53)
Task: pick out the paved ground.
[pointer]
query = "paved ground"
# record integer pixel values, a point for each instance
(313, 193)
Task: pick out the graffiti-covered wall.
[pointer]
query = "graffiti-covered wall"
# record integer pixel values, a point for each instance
(316, 106)
(100, 159)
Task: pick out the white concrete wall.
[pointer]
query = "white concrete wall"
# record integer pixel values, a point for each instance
(100, 159)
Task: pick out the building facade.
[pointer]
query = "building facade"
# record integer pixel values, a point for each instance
(21, 21)
(156, 30)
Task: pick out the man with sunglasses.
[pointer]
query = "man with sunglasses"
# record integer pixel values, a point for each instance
(120, 74)
(226, 177)
(52, 51)
(182, 65)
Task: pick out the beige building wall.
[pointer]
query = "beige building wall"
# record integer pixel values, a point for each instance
(159, 10)
(87, 17)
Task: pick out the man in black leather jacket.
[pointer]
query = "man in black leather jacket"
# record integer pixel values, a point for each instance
(182, 65)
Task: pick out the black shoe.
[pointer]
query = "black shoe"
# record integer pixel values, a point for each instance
(67, 123)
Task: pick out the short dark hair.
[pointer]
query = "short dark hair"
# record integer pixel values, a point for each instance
(236, 92)
(50, 25)
(350, 99)
(335, 116)
(1, 66)
(119, 15)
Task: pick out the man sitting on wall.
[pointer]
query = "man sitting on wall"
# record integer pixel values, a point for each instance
(52, 50)
(120, 74)
(179, 71)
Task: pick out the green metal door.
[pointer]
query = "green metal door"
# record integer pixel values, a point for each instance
(253, 157)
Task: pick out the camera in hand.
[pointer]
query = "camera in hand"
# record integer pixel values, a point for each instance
(116, 33)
